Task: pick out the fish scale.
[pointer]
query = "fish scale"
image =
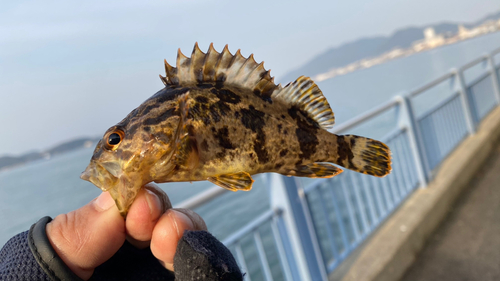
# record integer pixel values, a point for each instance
(222, 118)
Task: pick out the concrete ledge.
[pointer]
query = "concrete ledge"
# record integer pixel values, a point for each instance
(394, 247)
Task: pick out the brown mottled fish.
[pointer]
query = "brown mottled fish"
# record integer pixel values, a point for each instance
(221, 118)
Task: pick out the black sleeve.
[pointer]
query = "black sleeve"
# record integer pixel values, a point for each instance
(29, 256)
(18, 263)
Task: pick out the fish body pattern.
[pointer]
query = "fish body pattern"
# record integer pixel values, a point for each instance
(222, 118)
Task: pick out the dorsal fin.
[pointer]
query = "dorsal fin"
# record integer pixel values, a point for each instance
(305, 94)
(219, 67)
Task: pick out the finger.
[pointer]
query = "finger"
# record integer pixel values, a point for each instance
(169, 230)
(87, 237)
(150, 203)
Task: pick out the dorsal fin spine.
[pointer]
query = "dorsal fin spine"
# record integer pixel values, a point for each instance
(171, 73)
(218, 63)
(164, 80)
(211, 59)
(239, 61)
(236, 64)
(202, 67)
(233, 57)
(269, 88)
(246, 70)
(182, 63)
(181, 59)
(261, 84)
(225, 60)
(197, 62)
(248, 80)
(222, 55)
(259, 68)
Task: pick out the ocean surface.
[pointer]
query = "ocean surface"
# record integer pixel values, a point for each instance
(50, 187)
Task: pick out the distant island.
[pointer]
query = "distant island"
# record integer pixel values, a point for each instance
(7, 162)
(367, 52)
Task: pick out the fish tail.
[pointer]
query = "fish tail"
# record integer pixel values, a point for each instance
(363, 155)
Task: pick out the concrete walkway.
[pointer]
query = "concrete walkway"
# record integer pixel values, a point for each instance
(467, 244)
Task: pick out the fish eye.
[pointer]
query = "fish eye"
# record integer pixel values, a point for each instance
(113, 139)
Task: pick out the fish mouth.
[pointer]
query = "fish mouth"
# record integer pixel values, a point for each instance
(99, 176)
(121, 188)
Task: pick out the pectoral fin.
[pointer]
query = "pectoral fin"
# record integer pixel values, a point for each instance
(316, 170)
(233, 182)
(187, 155)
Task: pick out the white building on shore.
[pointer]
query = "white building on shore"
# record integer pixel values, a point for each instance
(430, 41)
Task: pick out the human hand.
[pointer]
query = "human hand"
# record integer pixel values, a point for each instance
(87, 237)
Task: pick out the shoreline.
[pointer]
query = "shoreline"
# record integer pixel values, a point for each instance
(33, 157)
(430, 42)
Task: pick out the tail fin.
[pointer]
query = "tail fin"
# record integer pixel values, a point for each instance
(363, 155)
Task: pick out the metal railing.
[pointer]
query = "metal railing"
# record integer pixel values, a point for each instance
(313, 226)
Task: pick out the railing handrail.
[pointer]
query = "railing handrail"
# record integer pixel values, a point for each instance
(432, 83)
(254, 224)
(474, 62)
(479, 78)
(365, 116)
(202, 198)
(494, 52)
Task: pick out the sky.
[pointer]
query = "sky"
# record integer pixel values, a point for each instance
(70, 69)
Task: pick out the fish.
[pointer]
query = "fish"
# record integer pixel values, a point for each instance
(220, 117)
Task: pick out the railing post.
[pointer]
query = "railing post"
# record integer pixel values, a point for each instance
(494, 77)
(469, 118)
(408, 119)
(287, 196)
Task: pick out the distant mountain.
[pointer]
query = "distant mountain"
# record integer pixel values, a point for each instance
(11, 161)
(372, 47)
(72, 145)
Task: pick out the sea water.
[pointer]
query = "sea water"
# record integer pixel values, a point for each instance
(51, 187)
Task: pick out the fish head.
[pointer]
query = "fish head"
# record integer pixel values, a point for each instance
(130, 155)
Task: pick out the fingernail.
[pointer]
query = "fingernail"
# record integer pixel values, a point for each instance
(179, 218)
(104, 201)
(153, 201)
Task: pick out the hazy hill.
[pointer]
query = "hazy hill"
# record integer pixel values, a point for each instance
(10, 161)
(372, 47)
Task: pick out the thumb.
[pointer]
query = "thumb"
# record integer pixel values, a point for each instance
(87, 237)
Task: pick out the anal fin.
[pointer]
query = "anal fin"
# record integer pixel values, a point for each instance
(234, 182)
(316, 170)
